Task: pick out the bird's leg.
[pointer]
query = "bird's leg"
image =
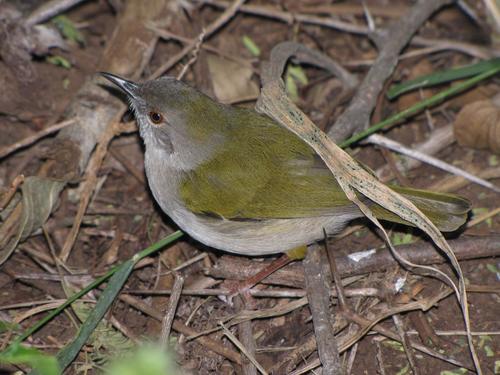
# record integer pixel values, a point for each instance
(289, 256)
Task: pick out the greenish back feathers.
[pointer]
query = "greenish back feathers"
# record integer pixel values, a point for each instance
(263, 171)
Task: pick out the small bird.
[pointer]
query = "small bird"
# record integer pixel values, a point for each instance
(238, 181)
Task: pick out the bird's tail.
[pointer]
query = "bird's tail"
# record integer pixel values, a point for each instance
(447, 211)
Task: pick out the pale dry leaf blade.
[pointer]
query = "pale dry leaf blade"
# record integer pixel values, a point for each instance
(39, 196)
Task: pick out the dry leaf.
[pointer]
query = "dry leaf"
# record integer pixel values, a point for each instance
(39, 196)
(231, 81)
(478, 126)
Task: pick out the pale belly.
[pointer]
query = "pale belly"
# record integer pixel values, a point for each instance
(257, 237)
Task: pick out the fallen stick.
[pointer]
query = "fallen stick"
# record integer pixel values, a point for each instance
(238, 268)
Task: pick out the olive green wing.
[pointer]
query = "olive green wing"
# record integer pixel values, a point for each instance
(263, 171)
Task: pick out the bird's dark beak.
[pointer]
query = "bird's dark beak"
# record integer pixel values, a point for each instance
(128, 87)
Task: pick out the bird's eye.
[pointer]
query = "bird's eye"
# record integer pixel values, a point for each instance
(155, 117)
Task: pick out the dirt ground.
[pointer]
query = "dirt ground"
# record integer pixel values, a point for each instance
(122, 217)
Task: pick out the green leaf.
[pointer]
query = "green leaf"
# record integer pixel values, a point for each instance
(107, 342)
(402, 238)
(458, 371)
(483, 344)
(489, 352)
(359, 233)
(7, 326)
(18, 354)
(294, 74)
(493, 161)
(147, 360)
(298, 73)
(396, 345)
(70, 351)
(291, 88)
(492, 268)
(59, 61)
(251, 46)
(404, 370)
(479, 210)
(442, 77)
(497, 367)
(483, 339)
(68, 29)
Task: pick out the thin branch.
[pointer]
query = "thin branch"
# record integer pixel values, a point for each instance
(4, 151)
(48, 10)
(494, 11)
(89, 184)
(317, 294)
(366, 325)
(390, 41)
(211, 29)
(289, 17)
(194, 57)
(182, 328)
(380, 359)
(172, 308)
(437, 140)
(329, 22)
(168, 35)
(398, 322)
(362, 262)
(483, 217)
(279, 293)
(240, 346)
(246, 337)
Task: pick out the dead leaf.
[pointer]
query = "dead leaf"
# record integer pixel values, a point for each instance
(39, 196)
(231, 81)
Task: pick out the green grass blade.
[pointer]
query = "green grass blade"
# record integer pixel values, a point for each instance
(120, 276)
(424, 104)
(442, 77)
(70, 351)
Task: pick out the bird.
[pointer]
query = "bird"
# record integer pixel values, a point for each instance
(238, 181)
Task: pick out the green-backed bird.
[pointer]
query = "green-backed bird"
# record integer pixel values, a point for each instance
(238, 181)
